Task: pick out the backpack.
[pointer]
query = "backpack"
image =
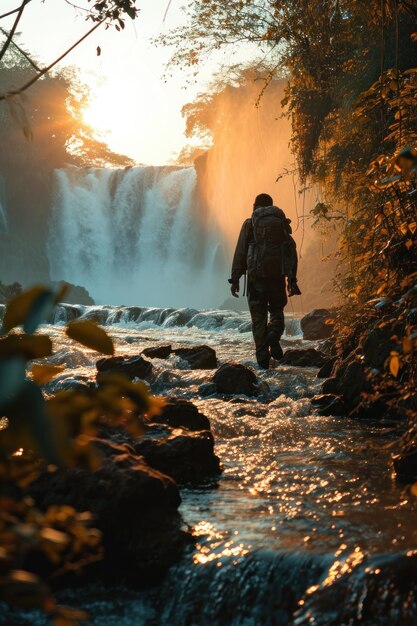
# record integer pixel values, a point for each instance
(272, 250)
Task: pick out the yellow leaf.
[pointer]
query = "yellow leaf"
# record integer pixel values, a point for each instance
(412, 227)
(19, 308)
(408, 244)
(407, 345)
(42, 374)
(90, 335)
(381, 289)
(394, 365)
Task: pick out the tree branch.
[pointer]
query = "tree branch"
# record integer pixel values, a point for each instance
(22, 52)
(12, 11)
(13, 30)
(39, 75)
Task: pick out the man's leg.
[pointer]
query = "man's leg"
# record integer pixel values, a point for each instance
(277, 299)
(258, 307)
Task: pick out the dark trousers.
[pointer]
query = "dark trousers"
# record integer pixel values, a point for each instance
(265, 295)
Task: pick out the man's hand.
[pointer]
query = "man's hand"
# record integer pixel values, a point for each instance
(293, 288)
(234, 289)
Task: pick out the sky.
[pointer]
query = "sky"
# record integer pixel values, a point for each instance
(139, 112)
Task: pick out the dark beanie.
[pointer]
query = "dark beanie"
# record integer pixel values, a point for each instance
(263, 200)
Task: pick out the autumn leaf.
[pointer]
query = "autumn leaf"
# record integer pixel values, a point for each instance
(90, 335)
(42, 374)
(394, 365)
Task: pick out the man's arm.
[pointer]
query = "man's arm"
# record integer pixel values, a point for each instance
(239, 264)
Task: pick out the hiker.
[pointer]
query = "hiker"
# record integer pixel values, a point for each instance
(267, 252)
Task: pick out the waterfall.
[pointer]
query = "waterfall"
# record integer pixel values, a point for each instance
(135, 236)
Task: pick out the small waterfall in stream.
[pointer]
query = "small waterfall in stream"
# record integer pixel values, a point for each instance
(136, 236)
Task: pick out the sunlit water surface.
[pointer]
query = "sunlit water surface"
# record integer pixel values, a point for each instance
(298, 493)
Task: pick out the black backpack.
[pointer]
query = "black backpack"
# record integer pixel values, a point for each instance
(272, 250)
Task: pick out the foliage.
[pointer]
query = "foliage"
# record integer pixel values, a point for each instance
(351, 99)
(108, 12)
(39, 434)
(51, 117)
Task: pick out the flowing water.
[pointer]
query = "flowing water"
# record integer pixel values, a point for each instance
(305, 516)
(138, 234)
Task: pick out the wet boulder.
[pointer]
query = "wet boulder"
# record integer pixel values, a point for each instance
(331, 385)
(198, 357)
(179, 413)
(405, 464)
(132, 367)
(134, 506)
(330, 404)
(314, 324)
(326, 369)
(234, 378)
(158, 352)
(303, 358)
(188, 457)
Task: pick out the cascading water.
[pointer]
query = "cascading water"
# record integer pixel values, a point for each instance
(135, 236)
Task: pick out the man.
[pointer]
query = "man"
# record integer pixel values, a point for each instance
(267, 252)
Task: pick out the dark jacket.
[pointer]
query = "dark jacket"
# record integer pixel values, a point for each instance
(240, 258)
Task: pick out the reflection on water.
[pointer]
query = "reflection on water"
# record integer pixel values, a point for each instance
(302, 502)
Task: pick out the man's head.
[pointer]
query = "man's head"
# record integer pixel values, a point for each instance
(262, 200)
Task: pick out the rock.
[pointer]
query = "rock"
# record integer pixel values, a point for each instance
(159, 352)
(179, 413)
(246, 327)
(314, 324)
(405, 465)
(330, 404)
(134, 505)
(326, 369)
(331, 385)
(7, 292)
(303, 358)
(132, 367)
(234, 378)
(378, 589)
(188, 457)
(207, 389)
(198, 357)
(75, 294)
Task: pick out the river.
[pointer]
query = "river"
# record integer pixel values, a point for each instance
(305, 504)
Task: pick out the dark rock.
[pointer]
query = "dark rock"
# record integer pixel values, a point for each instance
(314, 324)
(234, 378)
(134, 505)
(188, 457)
(75, 294)
(377, 345)
(159, 352)
(207, 389)
(326, 369)
(132, 367)
(379, 590)
(7, 292)
(179, 413)
(330, 404)
(405, 465)
(352, 383)
(331, 385)
(198, 357)
(303, 358)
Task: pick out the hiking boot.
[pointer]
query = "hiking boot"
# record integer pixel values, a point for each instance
(276, 352)
(264, 364)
